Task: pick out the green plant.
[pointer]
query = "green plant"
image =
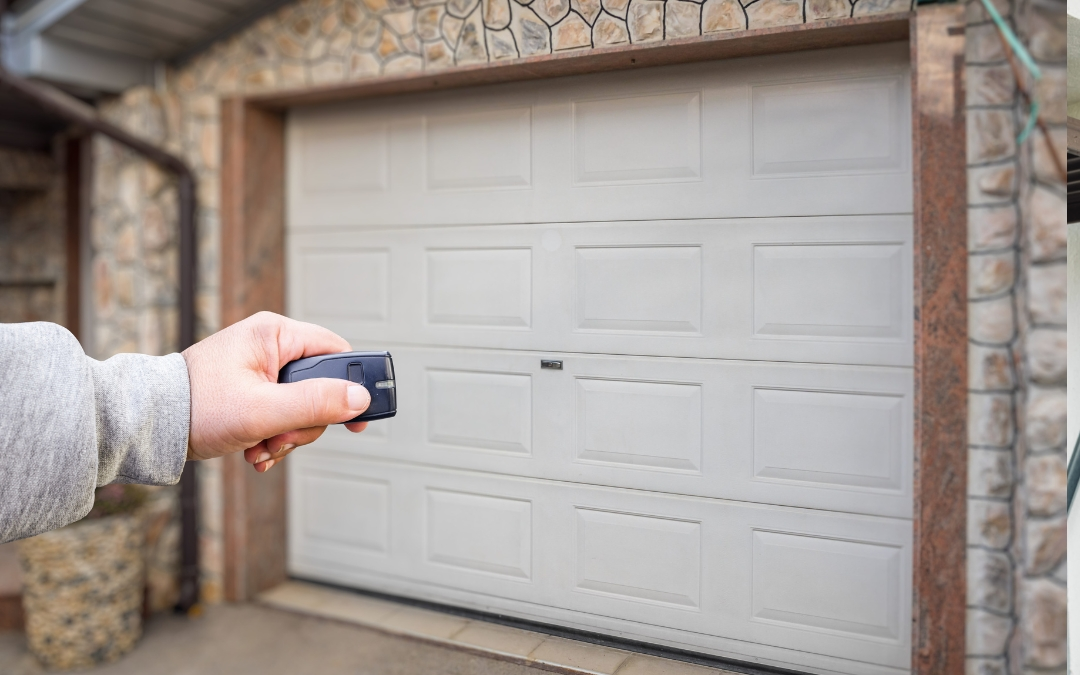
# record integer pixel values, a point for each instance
(117, 499)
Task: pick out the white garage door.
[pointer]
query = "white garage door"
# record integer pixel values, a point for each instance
(719, 255)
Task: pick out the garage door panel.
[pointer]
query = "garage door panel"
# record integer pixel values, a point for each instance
(825, 134)
(771, 575)
(830, 437)
(825, 290)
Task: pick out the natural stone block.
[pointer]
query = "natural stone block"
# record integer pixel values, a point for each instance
(610, 31)
(155, 233)
(1051, 92)
(645, 19)
(368, 34)
(363, 64)
(1047, 293)
(990, 368)
(871, 7)
(403, 63)
(989, 524)
(328, 71)
(427, 22)
(616, 7)
(976, 13)
(437, 55)
(1045, 623)
(681, 19)
(990, 85)
(292, 75)
(402, 23)
(497, 14)
(461, 8)
(1046, 225)
(991, 135)
(992, 321)
(501, 45)
(532, 34)
(1045, 545)
(992, 228)
(451, 29)
(984, 45)
(411, 44)
(1043, 155)
(989, 580)
(288, 46)
(316, 50)
(125, 250)
(991, 274)
(551, 11)
(990, 473)
(1044, 425)
(1046, 32)
(471, 47)
(124, 282)
(390, 45)
(984, 666)
(571, 33)
(817, 10)
(1046, 356)
(722, 15)
(987, 633)
(588, 9)
(990, 420)
(769, 13)
(991, 184)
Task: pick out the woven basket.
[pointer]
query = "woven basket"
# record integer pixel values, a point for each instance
(82, 591)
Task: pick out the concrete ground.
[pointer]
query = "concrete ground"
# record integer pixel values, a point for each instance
(239, 639)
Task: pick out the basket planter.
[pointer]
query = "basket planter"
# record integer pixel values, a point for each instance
(83, 591)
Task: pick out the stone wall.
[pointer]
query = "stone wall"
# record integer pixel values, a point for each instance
(1016, 221)
(33, 279)
(1016, 619)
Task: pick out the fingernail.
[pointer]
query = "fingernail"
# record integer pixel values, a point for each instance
(287, 448)
(263, 456)
(359, 398)
(269, 464)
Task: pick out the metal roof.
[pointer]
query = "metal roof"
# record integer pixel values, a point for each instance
(109, 45)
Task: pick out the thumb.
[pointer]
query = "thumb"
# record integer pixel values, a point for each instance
(309, 403)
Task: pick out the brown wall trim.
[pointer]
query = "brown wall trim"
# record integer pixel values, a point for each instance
(253, 225)
(252, 280)
(940, 532)
(730, 45)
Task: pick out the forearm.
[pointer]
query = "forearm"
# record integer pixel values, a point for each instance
(69, 423)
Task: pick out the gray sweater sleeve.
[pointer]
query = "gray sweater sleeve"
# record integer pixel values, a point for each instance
(69, 423)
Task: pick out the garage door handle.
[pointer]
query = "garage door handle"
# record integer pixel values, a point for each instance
(550, 365)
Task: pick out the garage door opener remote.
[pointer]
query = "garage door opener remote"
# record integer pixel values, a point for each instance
(374, 370)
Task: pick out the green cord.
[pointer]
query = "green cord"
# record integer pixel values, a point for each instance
(1025, 57)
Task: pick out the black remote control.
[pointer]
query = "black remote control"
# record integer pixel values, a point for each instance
(374, 370)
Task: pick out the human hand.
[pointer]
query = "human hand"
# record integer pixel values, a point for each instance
(237, 403)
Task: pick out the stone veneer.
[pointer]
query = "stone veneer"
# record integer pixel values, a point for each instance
(1016, 223)
(1016, 287)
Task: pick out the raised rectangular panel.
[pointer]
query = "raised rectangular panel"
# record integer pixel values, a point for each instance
(480, 532)
(840, 291)
(638, 139)
(830, 585)
(480, 287)
(479, 150)
(344, 154)
(487, 411)
(639, 288)
(346, 283)
(641, 558)
(829, 438)
(346, 510)
(650, 425)
(830, 126)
